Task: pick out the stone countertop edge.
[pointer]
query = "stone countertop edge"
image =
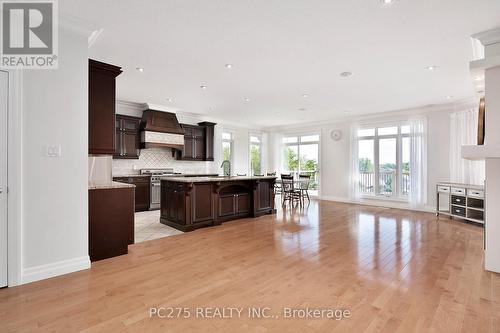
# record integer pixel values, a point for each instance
(173, 175)
(471, 186)
(213, 179)
(110, 185)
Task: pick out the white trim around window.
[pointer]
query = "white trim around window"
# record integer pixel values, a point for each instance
(396, 184)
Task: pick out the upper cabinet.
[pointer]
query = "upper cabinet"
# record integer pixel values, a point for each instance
(198, 142)
(128, 137)
(208, 128)
(102, 89)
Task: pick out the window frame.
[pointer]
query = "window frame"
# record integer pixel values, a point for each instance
(231, 145)
(398, 193)
(298, 143)
(250, 144)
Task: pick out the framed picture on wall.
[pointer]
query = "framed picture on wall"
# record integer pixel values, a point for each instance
(480, 123)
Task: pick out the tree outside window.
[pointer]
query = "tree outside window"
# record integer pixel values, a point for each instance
(301, 155)
(227, 146)
(255, 155)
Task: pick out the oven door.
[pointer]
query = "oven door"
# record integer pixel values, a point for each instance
(155, 196)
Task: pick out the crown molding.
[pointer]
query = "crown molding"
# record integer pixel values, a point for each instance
(77, 25)
(462, 104)
(193, 117)
(489, 37)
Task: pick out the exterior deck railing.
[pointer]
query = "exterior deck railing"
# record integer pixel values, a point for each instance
(387, 180)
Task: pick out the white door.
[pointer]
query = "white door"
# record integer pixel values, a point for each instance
(4, 81)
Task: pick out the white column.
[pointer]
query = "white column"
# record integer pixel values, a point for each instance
(490, 152)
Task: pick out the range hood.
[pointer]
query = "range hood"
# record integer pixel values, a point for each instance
(161, 129)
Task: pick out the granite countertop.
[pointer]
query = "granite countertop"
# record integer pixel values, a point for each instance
(172, 175)
(108, 185)
(214, 179)
(474, 187)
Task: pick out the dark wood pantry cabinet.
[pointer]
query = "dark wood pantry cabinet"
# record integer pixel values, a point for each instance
(102, 88)
(128, 137)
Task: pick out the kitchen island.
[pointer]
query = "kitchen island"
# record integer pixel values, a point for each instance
(188, 203)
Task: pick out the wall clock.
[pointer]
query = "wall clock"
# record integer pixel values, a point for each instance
(336, 135)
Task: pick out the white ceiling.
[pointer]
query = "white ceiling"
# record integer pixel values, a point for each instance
(282, 49)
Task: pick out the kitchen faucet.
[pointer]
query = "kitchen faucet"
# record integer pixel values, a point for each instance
(226, 171)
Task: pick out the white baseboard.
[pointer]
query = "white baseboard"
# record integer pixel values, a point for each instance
(54, 269)
(380, 203)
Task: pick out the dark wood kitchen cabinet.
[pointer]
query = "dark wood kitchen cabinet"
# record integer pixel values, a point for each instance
(194, 143)
(142, 190)
(198, 142)
(111, 222)
(128, 137)
(190, 204)
(102, 90)
(209, 139)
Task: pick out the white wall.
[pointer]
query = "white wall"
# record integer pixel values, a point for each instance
(335, 155)
(55, 189)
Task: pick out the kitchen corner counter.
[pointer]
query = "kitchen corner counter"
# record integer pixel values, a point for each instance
(108, 185)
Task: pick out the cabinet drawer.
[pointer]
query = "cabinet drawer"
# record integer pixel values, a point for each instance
(457, 200)
(458, 190)
(457, 210)
(443, 189)
(475, 193)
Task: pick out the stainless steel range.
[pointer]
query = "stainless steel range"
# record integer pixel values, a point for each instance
(156, 175)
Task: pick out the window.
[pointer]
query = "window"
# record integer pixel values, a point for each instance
(384, 161)
(255, 154)
(227, 146)
(301, 156)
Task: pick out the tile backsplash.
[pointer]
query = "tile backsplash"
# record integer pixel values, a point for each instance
(160, 158)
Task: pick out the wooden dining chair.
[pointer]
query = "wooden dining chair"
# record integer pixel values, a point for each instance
(290, 193)
(304, 186)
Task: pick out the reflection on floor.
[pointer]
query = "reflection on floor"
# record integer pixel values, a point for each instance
(393, 270)
(148, 227)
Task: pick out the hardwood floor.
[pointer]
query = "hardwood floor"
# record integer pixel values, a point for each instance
(394, 270)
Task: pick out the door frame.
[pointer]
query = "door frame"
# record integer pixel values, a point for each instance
(14, 178)
(320, 151)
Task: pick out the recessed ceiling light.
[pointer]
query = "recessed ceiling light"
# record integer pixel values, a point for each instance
(140, 69)
(431, 68)
(479, 86)
(305, 95)
(247, 99)
(229, 66)
(203, 87)
(478, 78)
(448, 96)
(346, 74)
(169, 99)
(387, 2)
